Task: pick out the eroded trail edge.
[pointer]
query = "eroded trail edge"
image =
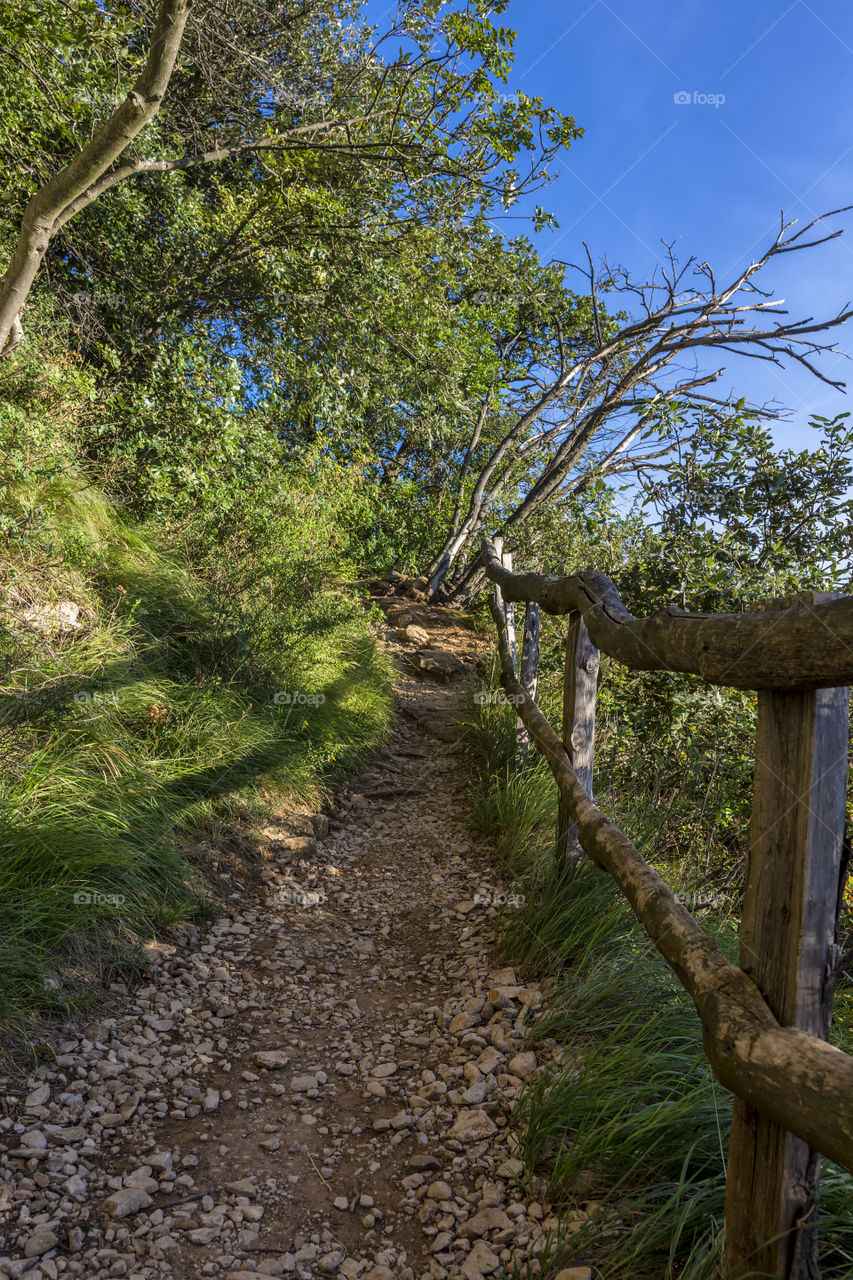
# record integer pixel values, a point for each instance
(319, 1083)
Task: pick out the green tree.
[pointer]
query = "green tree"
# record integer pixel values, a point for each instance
(737, 518)
(307, 103)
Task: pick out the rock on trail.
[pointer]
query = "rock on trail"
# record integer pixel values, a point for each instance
(319, 1083)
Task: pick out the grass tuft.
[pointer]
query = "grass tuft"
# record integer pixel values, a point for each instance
(628, 1127)
(142, 725)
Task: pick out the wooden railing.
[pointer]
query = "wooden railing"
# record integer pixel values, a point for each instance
(765, 1023)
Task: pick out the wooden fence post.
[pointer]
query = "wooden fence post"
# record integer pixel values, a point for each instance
(528, 674)
(788, 947)
(507, 605)
(580, 684)
(527, 669)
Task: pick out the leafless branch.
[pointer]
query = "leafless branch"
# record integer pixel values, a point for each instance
(641, 363)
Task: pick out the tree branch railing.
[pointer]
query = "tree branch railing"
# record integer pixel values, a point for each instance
(765, 1022)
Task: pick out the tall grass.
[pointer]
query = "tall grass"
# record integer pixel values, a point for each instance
(135, 738)
(628, 1126)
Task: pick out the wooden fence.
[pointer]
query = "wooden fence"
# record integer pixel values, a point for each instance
(765, 1024)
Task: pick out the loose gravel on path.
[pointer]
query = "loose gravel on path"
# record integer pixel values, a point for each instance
(319, 1083)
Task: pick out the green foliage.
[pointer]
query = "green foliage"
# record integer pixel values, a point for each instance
(519, 803)
(137, 733)
(326, 263)
(738, 518)
(681, 752)
(628, 1127)
(245, 384)
(336, 297)
(60, 59)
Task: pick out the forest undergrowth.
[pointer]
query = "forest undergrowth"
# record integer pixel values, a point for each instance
(632, 1117)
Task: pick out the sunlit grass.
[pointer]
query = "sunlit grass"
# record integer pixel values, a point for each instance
(629, 1126)
(135, 738)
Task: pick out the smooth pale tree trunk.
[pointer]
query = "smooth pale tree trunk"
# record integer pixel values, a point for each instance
(45, 211)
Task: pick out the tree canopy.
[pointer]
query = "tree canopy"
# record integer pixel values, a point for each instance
(269, 230)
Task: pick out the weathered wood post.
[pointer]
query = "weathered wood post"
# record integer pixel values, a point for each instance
(528, 669)
(788, 947)
(580, 684)
(508, 607)
(529, 672)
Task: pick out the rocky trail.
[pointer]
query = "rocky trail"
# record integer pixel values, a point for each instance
(319, 1083)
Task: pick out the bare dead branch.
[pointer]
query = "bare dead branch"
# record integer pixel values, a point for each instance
(642, 361)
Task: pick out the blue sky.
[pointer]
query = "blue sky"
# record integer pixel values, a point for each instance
(713, 176)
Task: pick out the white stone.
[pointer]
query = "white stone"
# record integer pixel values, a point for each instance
(202, 1235)
(129, 1200)
(330, 1262)
(35, 1139)
(472, 1126)
(271, 1058)
(486, 1220)
(38, 1097)
(522, 1065)
(40, 1242)
(480, 1262)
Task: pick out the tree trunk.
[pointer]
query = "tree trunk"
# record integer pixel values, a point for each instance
(48, 204)
(469, 585)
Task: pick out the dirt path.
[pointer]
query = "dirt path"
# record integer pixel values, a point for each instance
(319, 1083)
